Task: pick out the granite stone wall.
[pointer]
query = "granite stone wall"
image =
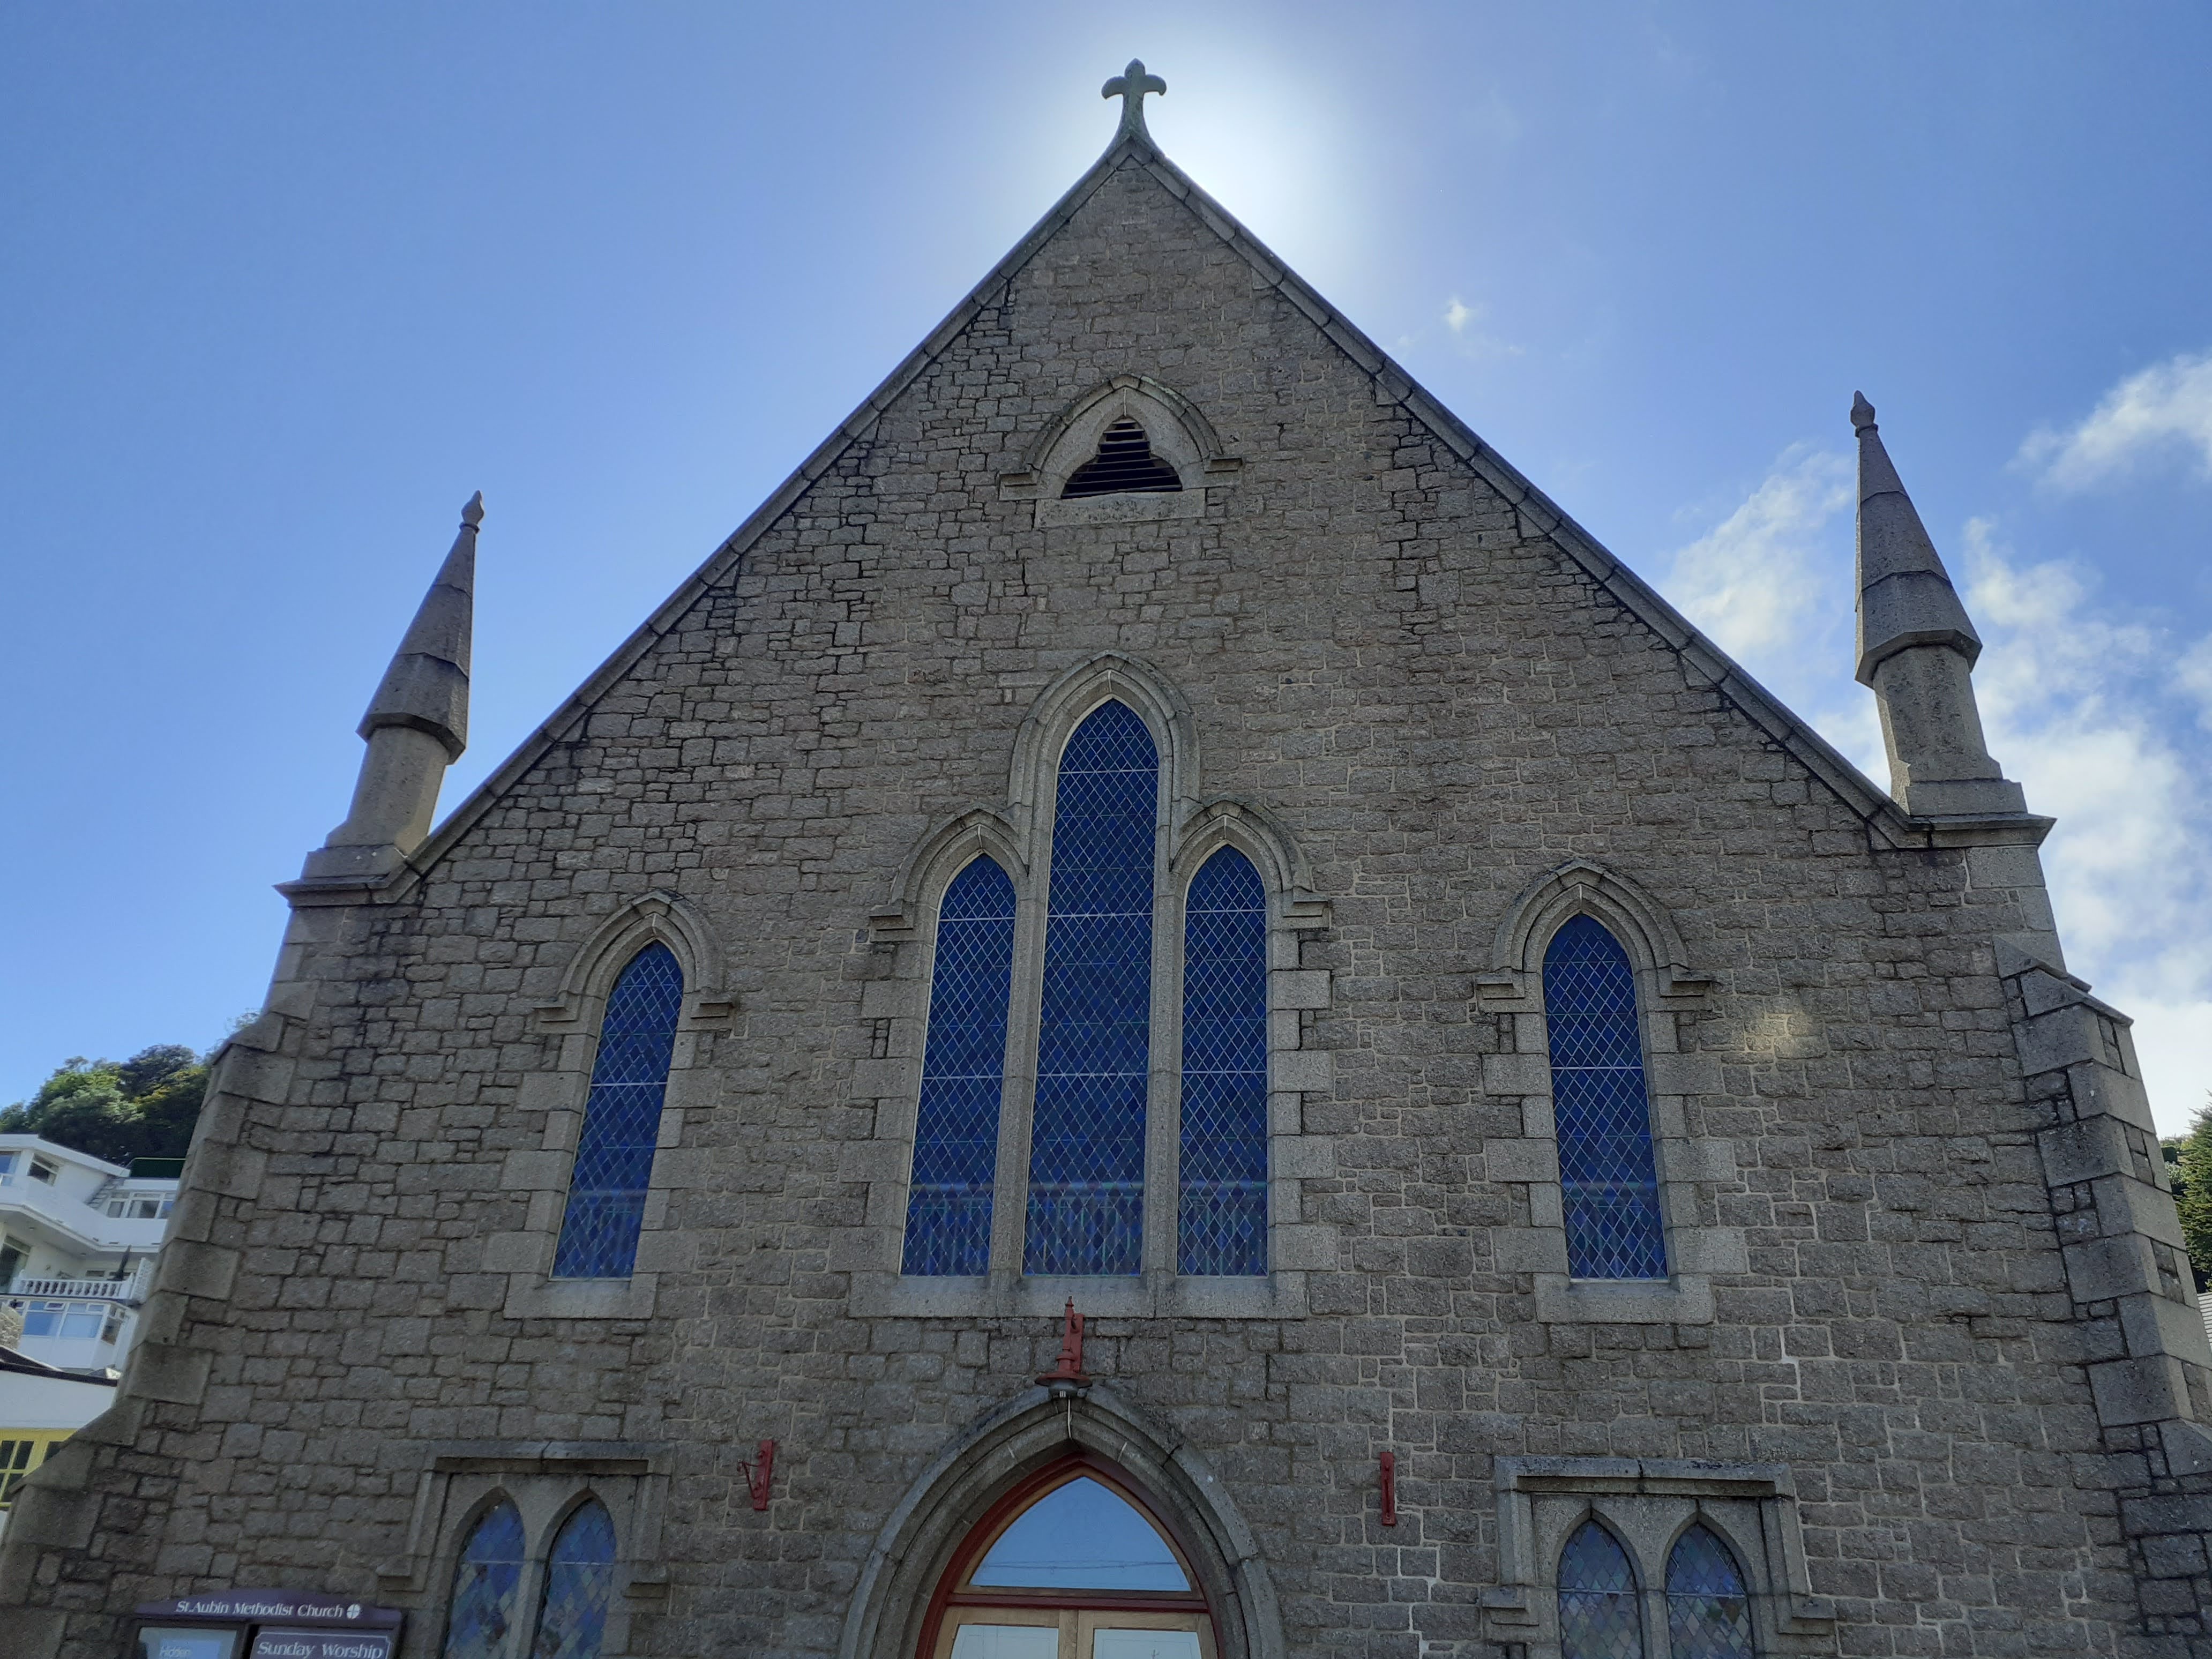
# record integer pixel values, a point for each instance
(1437, 702)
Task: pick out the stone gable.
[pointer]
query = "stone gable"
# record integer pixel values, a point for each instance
(1435, 691)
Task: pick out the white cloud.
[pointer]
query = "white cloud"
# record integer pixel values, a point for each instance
(2165, 409)
(1460, 317)
(2095, 714)
(1752, 579)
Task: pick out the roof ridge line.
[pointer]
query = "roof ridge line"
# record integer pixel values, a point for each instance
(578, 704)
(1723, 673)
(1395, 383)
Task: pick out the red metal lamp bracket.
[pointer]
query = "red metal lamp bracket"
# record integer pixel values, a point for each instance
(756, 1475)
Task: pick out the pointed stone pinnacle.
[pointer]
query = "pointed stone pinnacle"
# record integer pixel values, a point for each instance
(427, 687)
(1130, 86)
(1905, 595)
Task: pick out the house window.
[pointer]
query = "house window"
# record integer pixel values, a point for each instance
(42, 1170)
(486, 1582)
(1087, 1193)
(1071, 1565)
(1608, 1173)
(18, 1457)
(622, 1120)
(955, 1143)
(69, 1321)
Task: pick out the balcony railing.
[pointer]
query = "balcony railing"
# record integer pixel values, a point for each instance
(132, 1289)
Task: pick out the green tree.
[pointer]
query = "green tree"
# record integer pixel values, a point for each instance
(142, 1107)
(2192, 1192)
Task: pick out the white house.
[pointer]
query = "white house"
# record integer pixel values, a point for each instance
(77, 1241)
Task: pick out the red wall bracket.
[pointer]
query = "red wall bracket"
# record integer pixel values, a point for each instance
(1389, 1489)
(756, 1475)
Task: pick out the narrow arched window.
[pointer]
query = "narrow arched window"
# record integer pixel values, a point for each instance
(622, 1120)
(1608, 1176)
(1124, 465)
(963, 1069)
(1086, 1188)
(1223, 1225)
(1708, 1614)
(1598, 1614)
(486, 1581)
(579, 1583)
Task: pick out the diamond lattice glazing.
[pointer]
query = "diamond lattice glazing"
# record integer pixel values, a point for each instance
(579, 1579)
(1708, 1614)
(1086, 1191)
(1598, 1616)
(1608, 1178)
(956, 1150)
(622, 1120)
(1223, 1223)
(485, 1581)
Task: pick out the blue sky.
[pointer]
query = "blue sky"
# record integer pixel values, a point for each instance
(282, 285)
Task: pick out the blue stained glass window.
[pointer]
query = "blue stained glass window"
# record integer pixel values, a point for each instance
(485, 1582)
(622, 1120)
(956, 1142)
(580, 1582)
(1708, 1614)
(1223, 1225)
(1087, 1192)
(1607, 1175)
(1598, 1614)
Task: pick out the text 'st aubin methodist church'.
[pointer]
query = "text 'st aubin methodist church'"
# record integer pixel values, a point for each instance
(1545, 1158)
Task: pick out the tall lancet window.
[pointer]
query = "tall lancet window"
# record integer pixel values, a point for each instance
(1086, 1190)
(1602, 1111)
(1708, 1614)
(579, 1582)
(963, 1069)
(622, 1120)
(1598, 1613)
(486, 1582)
(1222, 1226)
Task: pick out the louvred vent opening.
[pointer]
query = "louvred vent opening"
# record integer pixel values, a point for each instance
(1124, 465)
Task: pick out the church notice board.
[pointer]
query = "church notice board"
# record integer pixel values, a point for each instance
(265, 1625)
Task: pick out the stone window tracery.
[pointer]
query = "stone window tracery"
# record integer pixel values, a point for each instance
(1095, 1127)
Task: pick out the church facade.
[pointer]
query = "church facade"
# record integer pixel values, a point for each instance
(1162, 1017)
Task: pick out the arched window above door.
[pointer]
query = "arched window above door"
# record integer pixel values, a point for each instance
(1071, 1564)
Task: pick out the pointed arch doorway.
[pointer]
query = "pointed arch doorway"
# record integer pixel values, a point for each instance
(1071, 1564)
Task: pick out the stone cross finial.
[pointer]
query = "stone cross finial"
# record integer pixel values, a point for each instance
(1130, 86)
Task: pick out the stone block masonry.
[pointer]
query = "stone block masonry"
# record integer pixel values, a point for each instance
(1934, 1332)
